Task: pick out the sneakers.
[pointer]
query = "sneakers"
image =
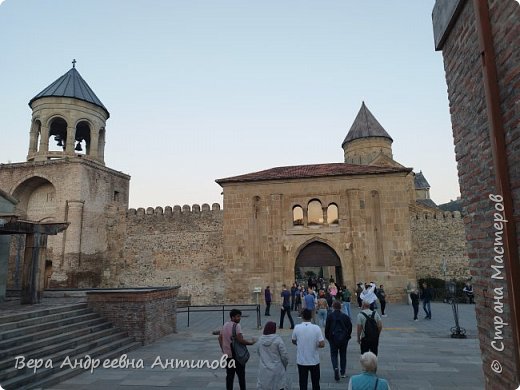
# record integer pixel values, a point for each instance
(343, 375)
(416, 319)
(384, 315)
(336, 374)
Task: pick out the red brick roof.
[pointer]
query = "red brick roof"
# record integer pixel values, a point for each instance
(310, 171)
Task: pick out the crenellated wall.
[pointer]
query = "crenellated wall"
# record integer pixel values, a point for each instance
(167, 247)
(436, 237)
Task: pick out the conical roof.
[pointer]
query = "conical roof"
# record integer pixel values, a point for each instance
(365, 125)
(420, 182)
(72, 85)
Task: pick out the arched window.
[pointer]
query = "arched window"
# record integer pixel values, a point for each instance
(58, 130)
(297, 213)
(332, 214)
(82, 138)
(315, 213)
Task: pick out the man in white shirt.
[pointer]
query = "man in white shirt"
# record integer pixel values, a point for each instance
(308, 338)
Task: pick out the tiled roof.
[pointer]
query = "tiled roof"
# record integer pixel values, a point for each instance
(312, 171)
(365, 125)
(72, 85)
(427, 202)
(420, 182)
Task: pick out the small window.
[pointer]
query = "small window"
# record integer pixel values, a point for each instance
(297, 213)
(116, 196)
(332, 214)
(315, 213)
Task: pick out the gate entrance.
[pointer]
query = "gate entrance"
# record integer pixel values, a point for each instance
(320, 261)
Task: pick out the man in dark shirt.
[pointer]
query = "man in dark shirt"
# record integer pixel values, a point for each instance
(427, 297)
(267, 295)
(286, 306)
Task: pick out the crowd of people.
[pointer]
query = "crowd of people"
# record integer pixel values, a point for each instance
(325, 312)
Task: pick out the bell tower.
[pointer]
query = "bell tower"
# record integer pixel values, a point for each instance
(68, 120)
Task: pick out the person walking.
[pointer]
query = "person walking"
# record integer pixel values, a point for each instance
(359, 291)
(381, 295)
(268, 298)
(323, 308)
(308, 338)
(427, 298)
(285, 306)
(368, 294)
(368, 380)
(414, 297)
(369, 326)
(338, 330)
(346, 297)
(273, 360)
(224, 339)
(309, 302)
(294, 291)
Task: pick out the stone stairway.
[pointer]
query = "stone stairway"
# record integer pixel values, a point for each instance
(55, 340)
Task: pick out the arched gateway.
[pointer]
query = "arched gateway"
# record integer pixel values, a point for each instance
(321, 259)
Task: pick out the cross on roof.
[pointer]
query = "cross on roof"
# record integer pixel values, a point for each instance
(74, 63)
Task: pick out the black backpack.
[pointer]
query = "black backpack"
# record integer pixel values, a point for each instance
(340, 334)
(371, 330)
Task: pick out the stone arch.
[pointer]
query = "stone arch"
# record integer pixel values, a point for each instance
(318, 254)
(57, 129)
(37, 199)
(35, 134)
(83, 136)
(314, 212)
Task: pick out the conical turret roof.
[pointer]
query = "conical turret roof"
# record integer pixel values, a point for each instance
(72, 85)
(365, 125)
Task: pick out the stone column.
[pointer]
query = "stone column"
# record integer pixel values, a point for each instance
(73, 234)
(101, 144)
(33, 140)
(44, 144)
(94, 144)
(71, 135)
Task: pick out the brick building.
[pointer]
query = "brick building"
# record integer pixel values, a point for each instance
(480, 43)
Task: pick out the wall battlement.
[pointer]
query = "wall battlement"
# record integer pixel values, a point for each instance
(175, 210)
(445, 216)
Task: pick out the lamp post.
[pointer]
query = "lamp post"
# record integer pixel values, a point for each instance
(456, 332)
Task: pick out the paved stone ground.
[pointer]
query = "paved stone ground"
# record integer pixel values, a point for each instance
(412, 355)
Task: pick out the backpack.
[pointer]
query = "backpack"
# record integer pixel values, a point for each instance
(371, 330)
(340, 334)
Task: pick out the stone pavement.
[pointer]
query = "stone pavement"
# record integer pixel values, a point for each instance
(412, 355)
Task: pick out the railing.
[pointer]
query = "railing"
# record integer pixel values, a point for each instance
(222, 308)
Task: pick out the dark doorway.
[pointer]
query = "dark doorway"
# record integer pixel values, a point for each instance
(319, 259)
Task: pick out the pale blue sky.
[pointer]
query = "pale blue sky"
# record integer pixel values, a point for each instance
(200, 90)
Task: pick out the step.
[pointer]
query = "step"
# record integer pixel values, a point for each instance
(47, 325)
(49, 349)
(38, 320)
(25, 348)
(115, 340)
(49, 332)
(50, 376)
(39, 312)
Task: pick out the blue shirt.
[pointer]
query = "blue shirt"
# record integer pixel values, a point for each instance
(309, 301)
(367, 381)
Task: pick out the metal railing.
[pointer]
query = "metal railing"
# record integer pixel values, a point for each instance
(222, 308)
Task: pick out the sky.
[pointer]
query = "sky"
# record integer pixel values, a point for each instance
(201, 90)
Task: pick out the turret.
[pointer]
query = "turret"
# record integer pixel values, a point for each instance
(68, 120)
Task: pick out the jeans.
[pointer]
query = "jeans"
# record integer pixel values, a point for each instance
(427, 309)
(346, 308)
(230, 375)
(415, 311)
(303, 376)
(383, 306)
(322, 317)
(342, 349)
(284, 311)
(267, 308)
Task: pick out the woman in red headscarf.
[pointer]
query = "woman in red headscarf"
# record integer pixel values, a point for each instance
(273, 360)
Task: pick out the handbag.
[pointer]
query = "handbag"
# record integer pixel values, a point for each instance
(240, 352)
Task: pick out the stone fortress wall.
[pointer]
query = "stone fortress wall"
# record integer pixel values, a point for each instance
(439, 236)
(168, 247)
(184, 246)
